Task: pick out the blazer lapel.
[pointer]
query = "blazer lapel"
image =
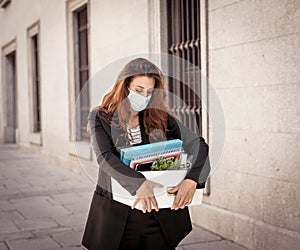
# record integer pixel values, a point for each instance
(117, 134)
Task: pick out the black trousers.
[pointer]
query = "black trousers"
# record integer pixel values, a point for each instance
(143, 232)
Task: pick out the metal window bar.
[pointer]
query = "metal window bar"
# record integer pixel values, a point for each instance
(184, 42)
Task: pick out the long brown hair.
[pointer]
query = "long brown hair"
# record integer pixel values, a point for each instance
(156, 114)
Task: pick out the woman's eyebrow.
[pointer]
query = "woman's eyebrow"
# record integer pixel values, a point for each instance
(142, 87)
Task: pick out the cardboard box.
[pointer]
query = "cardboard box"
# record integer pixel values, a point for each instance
(168, 178)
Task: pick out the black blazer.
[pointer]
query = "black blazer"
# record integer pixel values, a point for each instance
(107, 218)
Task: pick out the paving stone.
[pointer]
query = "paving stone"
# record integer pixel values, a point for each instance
(69, 239)
(32, 244)
(87, 194)
(198, 234)
(86, 197)
(50, 231)
(68, 184)
(45, 211)
(11, 215)
(33, 224)
(77, 207)
(6, 205)
(17, 163)
(12, 184)
(214, 245)
(13, 236)
(3, 246)
(36, 207)
(76, 221)
(35, 191)
(66, 198)
(7, 226)
(8, 193)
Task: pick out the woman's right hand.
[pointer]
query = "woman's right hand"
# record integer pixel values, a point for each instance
(145, 196)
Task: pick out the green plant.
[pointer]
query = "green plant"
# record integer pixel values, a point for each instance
(162, 163)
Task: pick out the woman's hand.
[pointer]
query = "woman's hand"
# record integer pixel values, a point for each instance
(146, 196)
(184, 193)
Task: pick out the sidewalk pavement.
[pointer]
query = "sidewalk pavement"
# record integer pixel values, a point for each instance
(44, 206)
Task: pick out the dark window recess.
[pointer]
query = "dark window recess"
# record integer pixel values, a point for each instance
(184, 42)
(36, 84)
(11, 98)
(4, 3)
(82, 71)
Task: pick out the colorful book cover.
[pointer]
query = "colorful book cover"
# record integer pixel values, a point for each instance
(126, 154)
(150, 158)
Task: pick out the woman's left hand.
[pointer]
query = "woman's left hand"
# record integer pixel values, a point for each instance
(184, 193)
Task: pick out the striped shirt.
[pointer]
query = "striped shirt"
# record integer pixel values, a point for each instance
(134, 134)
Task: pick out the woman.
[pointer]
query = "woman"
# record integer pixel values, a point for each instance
(133, 113)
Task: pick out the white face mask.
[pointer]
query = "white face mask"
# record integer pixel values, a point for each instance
(137, 101)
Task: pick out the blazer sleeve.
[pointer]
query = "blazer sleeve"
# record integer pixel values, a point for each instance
(107, 158)
(194, 145)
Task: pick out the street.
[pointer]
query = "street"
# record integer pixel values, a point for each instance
(44, 206)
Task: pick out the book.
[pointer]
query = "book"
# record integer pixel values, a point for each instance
(147, 159)
(126, 154)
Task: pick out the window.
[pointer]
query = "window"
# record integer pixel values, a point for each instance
(36, 84)
(35, 109)
(184, 42)
(78, 28)
(81, 71)
(10, 93)
(187, 39)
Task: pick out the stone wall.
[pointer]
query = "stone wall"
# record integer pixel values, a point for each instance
(254, 67)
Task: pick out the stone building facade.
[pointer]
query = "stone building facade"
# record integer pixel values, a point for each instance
(250, 53)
